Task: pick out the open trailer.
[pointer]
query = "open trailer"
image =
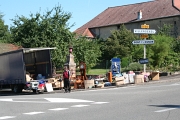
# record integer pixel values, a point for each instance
(15, 64)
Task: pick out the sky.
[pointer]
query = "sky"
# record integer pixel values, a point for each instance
(82, 10)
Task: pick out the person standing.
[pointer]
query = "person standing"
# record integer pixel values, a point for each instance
(66, 78)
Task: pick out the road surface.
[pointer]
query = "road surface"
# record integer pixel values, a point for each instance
(159, 101)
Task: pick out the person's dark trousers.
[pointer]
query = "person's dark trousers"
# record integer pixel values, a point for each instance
(67, 86)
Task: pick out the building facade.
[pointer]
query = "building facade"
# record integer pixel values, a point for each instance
(153, 13)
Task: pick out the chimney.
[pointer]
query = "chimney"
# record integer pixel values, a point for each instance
(139, 15)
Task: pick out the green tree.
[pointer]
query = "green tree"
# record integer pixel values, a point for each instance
(48, 30)
(124, 62)
(164, 52)
(86, 50)
(119, 44)
(160, 50)
(176, 45)
(165, 29)
(5, 35)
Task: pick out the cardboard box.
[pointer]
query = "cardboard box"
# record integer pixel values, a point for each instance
(139, 79)
(155, 75)
(119, 78)
(51, 80)
(88, 84)
(120, 83)
(58, 84)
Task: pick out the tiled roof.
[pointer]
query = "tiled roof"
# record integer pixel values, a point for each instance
(128, 13)
(7, 47)
(87, 33)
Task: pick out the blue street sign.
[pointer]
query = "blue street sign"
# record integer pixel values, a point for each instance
(143, 61)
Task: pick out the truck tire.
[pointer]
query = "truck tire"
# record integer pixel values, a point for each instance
(17, 89)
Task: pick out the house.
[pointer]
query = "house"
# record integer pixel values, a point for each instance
(154, 13)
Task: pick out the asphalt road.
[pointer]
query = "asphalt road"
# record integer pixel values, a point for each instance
(158, 101)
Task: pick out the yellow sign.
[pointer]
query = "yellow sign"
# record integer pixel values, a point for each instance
(145, 26)
(144, 36)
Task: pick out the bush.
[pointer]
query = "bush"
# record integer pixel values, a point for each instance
(133, 67)
(124, 62)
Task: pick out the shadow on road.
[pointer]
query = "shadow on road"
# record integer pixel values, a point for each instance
(10, 93)
(166, 106)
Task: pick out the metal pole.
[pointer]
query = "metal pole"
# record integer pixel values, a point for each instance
(144, 57)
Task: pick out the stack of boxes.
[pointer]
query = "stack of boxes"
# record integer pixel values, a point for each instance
(56, 83)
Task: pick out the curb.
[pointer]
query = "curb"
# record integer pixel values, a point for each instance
(109, 87)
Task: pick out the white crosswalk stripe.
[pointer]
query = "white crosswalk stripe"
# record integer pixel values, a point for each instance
(99, 102)
(79, 105)
(33, 113)
(164, 110)
(57, 109)
(6, 117)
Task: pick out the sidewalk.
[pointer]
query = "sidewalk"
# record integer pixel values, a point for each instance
(162, 79)
(170, 78)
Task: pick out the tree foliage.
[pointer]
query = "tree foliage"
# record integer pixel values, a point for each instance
(176, 45)
(52, 30)
(86, 50)
(48, 30)
(163, 53)
(4, 32)
(160, 50)
(165, 29)
(119, 43)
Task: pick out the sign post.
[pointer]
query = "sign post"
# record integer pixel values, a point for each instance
(144, 34)
(145, 56)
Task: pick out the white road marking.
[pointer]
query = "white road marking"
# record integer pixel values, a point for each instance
(33, 113)
(6, 117)
(28, 98)
(79, 105)
(46, 100)
(19, 100)
(57, 109)
(66, 100)
(164, 110)
(29, 102)
(6, 100)
(99, 102)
